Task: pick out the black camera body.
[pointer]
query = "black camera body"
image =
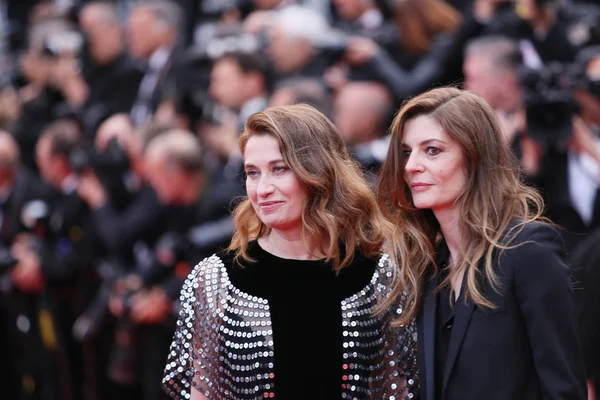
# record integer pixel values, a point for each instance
(332, 48)
(7, 261)
(113, 160)
(35, 219)
(110, 166)
(69, 42)
(550, 103)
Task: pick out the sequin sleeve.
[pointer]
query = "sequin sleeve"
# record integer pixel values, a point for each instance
(191, 364)
(399, 347)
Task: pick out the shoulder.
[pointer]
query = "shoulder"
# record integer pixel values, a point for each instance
(385, 265)
(534, 248)
(533, 233)
(385, 273)
(203, 274)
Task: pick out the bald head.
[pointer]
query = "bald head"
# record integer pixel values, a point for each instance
(178, 148)
(361, 109)
(174, 167)
(9, 151)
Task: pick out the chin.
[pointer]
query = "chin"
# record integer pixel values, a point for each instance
(423, 203)
(279, 225)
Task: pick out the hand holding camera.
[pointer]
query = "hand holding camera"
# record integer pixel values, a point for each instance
(27, 273)
(583, 140)
(359, 50)
(91, 190)
(65, 51)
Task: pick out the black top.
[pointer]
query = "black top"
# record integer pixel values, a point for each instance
(444, 318)
(306, 317)
(443, 331)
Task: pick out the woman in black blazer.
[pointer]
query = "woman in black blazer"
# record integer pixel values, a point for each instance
(483, 272)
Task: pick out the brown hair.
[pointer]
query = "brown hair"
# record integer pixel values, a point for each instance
(420, 21)
(492, 200)
(341, 208)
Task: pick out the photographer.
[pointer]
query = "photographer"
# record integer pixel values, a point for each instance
(547, 28)
(364, 18)
(556, 149)
(113, 78)
(295, 33)
(153, 36)
(133, 213)
(39, 101)
(128, 223)
(437, 60)
(66, 260)
(585, 256)
(362, 111)
(569, 173)
(238, 81)
(202, 224)
(21, 352)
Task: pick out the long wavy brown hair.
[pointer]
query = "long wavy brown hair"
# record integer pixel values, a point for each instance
(494, 205)
(341, 213)
(420, 21)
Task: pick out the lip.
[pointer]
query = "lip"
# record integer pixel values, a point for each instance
(269, 205)
(420, 186)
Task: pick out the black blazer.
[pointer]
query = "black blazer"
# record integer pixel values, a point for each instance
(527, 347)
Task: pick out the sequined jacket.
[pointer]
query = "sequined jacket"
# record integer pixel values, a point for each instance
(223, 345)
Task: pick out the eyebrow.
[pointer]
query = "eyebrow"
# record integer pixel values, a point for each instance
(426, 142)
(248, 165)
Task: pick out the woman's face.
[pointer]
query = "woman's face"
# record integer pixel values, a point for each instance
(435, 168)
(276, 193)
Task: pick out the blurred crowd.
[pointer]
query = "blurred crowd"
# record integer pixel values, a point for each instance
(119, 160)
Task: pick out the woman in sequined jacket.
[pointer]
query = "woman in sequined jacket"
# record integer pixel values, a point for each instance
(484, 271)
(288, 311)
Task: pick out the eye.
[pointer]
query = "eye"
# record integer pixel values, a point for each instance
(406, 153)
(432, 151)
(279, 169)
(251, 174)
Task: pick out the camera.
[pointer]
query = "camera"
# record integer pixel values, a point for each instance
(58, 44)
(7, 261)
(110, 166)
(550, 103)
(35, 218)
(113, 160)
(332, 48)
(123, 362)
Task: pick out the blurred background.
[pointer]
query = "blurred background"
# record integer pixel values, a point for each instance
(119, 161)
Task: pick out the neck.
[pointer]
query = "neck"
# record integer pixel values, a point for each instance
(287, 244)
(450, 227)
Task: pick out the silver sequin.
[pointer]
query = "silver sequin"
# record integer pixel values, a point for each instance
(223, 345)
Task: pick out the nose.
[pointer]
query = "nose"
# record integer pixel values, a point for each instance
(265, 186)
(413, 164)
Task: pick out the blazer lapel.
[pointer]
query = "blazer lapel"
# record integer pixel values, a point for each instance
(426, 338)
(462, 318)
